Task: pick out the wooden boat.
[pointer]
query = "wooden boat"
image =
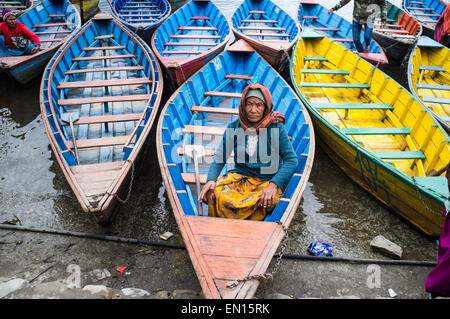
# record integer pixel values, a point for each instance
(374, 129)
(399, 35)
(429, 78)
(189, 38)
(141, 16)
(99, 97)
(193, 121)
(267, 28)
(52, 22)
(313, 15)
(15, 5)
(427, 12)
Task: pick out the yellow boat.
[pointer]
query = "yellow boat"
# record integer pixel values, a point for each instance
(379, 134)
(429, 77)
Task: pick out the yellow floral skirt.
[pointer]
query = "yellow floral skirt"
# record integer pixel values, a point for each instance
(237, 196)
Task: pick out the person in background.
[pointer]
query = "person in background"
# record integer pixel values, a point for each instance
(363, 12)
(437, 283)
(264, 159)
(15, 38)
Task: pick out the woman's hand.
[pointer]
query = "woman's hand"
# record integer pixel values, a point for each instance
(268, 195)
(34, 50)
(209, 185)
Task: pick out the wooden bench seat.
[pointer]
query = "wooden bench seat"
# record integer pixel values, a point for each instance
(433, 87)
(257, 12)
(431, 68)
(325, 71)
(190, 178)
(223, 94)
(438, 100)
(57, 24)
(258, 21)
(52, 32)
(262, 28)
(212, 109)
(105, 99)
(194, 36)
(310, 17)
(197, 28)
(104, 37)
(334, 85)
(417, 8)
(238, 77)
(104, 57)
(315, 58)
(341, 40)
(106, 69)
(353, 106)
(181, 52)
(282, 35)
(199, 18)
(377, 131)
(100, 142)
(392, 31)
(117, 47)
(200, 44)
(106, 119)
(207, 130)
(102, 83)
(51, 40)
(400, 155)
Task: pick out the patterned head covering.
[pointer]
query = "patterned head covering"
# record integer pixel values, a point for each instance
(6, 13)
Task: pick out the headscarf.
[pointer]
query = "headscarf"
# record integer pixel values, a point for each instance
(6, 13)
(269, 115)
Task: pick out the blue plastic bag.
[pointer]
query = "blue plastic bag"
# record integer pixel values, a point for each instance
(320, 249)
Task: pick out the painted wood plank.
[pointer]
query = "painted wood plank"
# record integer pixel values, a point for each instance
(106, 69)
(103, 83)
(106, 119)
(104, 57)
(105, 99)
(102, 141)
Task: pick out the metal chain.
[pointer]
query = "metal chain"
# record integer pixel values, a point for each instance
(275, 268)
(123, 201)
(423, 202)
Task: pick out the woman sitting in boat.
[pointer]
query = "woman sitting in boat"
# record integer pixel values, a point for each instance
(264, 161)
(15, 38)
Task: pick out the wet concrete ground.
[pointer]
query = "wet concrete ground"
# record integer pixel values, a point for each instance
(34, 193)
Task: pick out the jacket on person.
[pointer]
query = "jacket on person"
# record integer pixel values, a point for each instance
(20, 30)
(363, 9)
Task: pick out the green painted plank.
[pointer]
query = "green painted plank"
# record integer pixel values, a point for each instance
(400, 155)
(353, 106)
(335, 85)
(377, 131)
(325, 71)
(435, 100)
(315, 58)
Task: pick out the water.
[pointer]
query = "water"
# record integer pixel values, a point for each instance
(34, 190)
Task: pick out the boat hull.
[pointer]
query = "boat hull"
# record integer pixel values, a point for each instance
(373, 143)
(224, 250)
(98, 115)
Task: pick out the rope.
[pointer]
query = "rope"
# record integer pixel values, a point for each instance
(176, 246)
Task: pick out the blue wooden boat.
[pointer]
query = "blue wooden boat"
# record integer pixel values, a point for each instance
(427, 12)
(190, 127)
(141, 16)
(15, 5)
(52, 22)
(99, 97)
(267, 28)
(189, 38)
(336, 28)
(399, 35)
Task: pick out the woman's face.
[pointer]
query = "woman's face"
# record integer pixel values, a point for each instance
(254, 108)
(11, 21)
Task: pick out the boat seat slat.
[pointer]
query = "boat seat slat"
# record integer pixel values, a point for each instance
(258, 21)
(106, 119)
(105, 57)
(310, 17)
(262, 28)
(100, 142)
(105, 99)
(392, 31)
(417, 8)
(377, 131)
(199, 18)
(325, 71)
(210, 44)
(52, 32)
(326, 29)
(431, 68)
(219, 110)
(181, 52)
(223, 94)
(353, 106)
(190, 178)
(438, 100)
(46, 25)
(315, 58)
(208, 130)
(268, 35)
(51, 40)
(238, 77)
(103, 83)
(194, 36)
(400, 155)
(197, 28)
(257, 12)
(103, 37)
(335, 85)
(433, 87)
(341, 40)
(107, 69)
(118, 47)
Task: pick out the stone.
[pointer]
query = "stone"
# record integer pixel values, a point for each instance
(135, 292)
(185, 294)
(96, 289)
(387, 247)
(11, 286)
(277, 296)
